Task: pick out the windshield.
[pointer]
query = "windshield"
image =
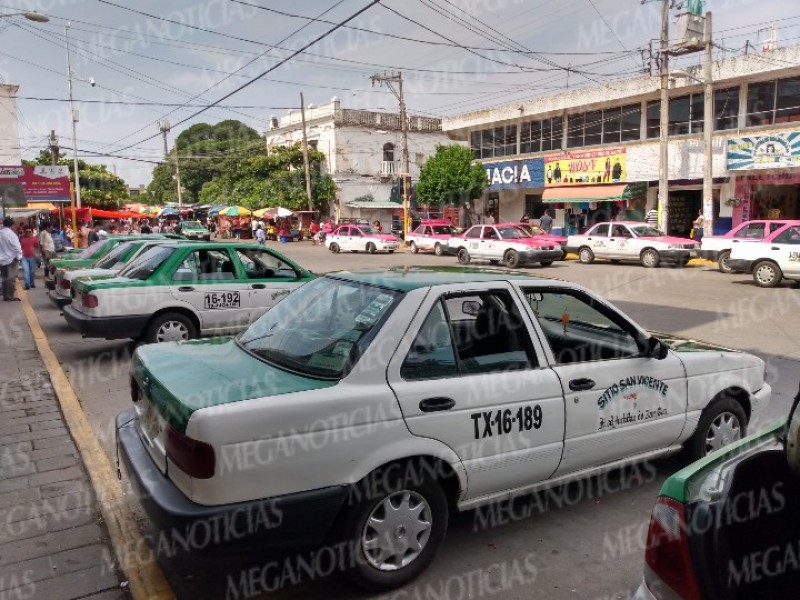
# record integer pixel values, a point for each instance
(92, 250)
(512, 233)
(113, 257)
(147, 263)
(191, 225)
(645, 231)
(323, 330)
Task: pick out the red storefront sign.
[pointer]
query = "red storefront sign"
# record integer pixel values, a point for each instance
(45, 183)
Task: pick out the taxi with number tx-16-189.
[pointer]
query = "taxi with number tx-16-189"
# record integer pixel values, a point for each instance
(370, 403)
(183, 290)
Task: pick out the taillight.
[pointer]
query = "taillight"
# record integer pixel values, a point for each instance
(89, 300)
(668, 554)
(64, 284)
(194, 458)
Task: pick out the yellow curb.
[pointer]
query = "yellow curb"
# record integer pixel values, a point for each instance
(145, 577)
(694, 262)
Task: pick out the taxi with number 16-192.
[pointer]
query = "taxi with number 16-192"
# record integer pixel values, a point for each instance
(183, 290)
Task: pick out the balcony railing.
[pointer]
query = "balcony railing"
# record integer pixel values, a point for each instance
(390, 169)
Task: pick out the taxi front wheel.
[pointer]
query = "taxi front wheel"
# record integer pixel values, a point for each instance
(721, 423)
(170, 327)
(394, 526)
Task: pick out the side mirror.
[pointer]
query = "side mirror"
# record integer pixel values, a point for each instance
(793, 437)
(656, 349)
(471, 307)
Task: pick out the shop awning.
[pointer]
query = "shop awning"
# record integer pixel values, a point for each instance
(373, 204)
(584, 193)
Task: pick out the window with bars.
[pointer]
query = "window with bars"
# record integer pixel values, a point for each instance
(726, 108)
(541, 136)
(607, 126)
(494, 142)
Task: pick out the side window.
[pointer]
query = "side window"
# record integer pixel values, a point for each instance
(579, 329)
(752, 231)
(600, 230)
(355, 232)
(790, 236)
(431, 355)
(343, 231)
(620, 231)
(474, 233)
(489, 233)
(260, 264)
(773, 227)
(206, 265)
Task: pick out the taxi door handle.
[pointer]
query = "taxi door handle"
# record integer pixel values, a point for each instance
(774, 248)
(581, 385)
(436, 404)
(186, 288)
(258, 286)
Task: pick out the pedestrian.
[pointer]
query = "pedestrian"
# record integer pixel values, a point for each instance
(94, 235)
(30, 256)
(145, 227)
(651, 218)
(697, 231)
(314, 230)
(378, 227)
(489, 219)
(546, 222)
(525, 219)
(10, 256)
(254, 226)
(47, 245)
(259, 235)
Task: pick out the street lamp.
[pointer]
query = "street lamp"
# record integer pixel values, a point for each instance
(164, 127)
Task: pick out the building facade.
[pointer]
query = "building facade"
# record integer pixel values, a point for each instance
(363, 153)
(10, 152)
(591, 153)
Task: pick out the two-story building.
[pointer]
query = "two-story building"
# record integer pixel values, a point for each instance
(591, 152)
(363, 152)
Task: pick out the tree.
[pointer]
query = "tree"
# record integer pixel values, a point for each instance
(449, 176)
(99, 187)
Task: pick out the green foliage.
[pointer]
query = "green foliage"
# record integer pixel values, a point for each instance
(450, 176)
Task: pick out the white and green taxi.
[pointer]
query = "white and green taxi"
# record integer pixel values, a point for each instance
(183, 290)
(369, 404)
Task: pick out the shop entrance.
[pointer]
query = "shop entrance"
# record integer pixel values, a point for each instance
(683, 208)
(776, 202)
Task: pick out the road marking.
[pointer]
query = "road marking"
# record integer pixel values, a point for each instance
(145, 577)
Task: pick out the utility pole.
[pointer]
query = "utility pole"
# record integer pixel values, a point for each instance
(708, 128)
(663, 164)
(164, 127)
(53, 147)
(389, 79)
(305, 153)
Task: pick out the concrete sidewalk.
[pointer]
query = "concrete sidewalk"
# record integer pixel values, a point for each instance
(53, 541)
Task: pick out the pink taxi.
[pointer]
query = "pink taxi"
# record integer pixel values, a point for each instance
(431, 235)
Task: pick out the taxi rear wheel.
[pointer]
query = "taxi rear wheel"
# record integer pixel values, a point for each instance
(437, 250)
(463, 256)
(414, 248)
(394, 527)
(767, 274)
(170, 327)
(334, 248)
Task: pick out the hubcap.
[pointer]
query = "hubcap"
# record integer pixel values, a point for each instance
(765, 274)
(172, 331)
(724, 430)
(585, 255)
(397, 531)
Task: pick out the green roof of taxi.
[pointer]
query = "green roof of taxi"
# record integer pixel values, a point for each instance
(405, 280)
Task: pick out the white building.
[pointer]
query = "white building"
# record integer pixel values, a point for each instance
(579, 151)
(363, 151)
(10, 152)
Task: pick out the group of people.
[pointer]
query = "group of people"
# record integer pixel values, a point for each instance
(24, 249)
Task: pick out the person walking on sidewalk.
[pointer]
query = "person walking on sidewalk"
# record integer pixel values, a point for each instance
(47, 244)
(10, 255)
(259, 235)
(30, 256)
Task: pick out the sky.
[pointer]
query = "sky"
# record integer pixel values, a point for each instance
(173, 59)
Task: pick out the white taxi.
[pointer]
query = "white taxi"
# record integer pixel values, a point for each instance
(183, 290)
(508, 244)
(360, 238)
(431, 235)
(618, 241)
(772, 260)
(372, 403)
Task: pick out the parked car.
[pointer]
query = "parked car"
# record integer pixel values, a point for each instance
(183, 290)
(537, 232)
(376, 400)
(726, 527)
(195, 230)
(632, 241)
(507, 244)
(718, 247)
(770, 261)
(431, 235)
(360, 238)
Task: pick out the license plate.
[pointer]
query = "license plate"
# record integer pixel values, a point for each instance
(149, 420)
(215, 300)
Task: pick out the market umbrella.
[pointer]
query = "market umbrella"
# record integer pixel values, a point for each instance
(214, 210)
(262, 212)
(278, 212)
(235, 211)
(169, 212)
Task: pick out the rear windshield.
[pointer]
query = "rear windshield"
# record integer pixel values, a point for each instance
(114, 257)
(191, 225)
(147, 262)
(92, 250)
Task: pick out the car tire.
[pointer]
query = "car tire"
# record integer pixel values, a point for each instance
(371, 248)
(585, 255)
(511, 259)
(721, 423)
(417, 504)
(463, 256)
(767, 274)
(650, 259)
(437, 250)
(414, 249)
(334, 247)
(545, 263)
(170, 327)
(723, 263)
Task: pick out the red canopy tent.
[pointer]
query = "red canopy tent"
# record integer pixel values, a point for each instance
(86, 213)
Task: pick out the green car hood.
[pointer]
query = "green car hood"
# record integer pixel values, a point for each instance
(182, 377)
(76, 263)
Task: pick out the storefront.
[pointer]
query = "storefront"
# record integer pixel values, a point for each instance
(514, 189)
(768, 176)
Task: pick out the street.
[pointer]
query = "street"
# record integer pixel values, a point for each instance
(583, 541)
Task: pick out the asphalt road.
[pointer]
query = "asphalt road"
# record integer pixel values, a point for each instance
(583, 541)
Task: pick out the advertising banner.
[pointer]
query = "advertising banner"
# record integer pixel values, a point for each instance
(515, 174)
(20, 185)
(585, 167)
(777, 151)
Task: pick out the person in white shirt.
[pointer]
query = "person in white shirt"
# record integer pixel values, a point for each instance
(47, 245)
(10, 257)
